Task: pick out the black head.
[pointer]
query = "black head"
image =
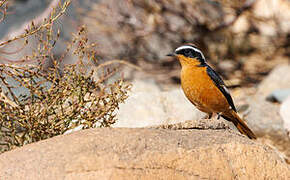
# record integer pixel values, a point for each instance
(189, 51)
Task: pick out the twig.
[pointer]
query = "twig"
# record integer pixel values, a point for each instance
(119, 62)
(4, 11)
(45, 25)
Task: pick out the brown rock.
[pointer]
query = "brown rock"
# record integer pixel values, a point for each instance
(144, 154)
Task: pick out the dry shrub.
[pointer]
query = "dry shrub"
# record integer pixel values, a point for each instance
(52, 104)
(37, 102)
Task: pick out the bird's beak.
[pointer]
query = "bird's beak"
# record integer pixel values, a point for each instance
(171, 54)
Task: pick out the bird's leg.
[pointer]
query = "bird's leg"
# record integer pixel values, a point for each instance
(219, 116)
(208, 116)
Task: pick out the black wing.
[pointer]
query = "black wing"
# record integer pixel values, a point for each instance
(221, 85)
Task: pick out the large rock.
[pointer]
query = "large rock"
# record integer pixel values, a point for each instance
(144, 154)
(279, 78)
(285, 113)
(264, 116)
(148, 105)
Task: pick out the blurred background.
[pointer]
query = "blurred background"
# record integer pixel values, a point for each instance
(242, 40)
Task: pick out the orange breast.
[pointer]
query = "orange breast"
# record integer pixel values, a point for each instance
(201, 90)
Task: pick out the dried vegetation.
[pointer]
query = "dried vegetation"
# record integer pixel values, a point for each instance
(37, 103)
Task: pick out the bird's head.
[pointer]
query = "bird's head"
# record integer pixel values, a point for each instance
(189, 55)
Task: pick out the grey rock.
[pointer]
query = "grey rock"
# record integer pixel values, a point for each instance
(285, 113)
(264, 117)
(148, 105)
(279, 78)
(279, 95)
(24, 12)
(269, 120)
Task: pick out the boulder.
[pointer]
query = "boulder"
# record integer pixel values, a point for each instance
(279, 95)
(285, 113)
(279, 78)
(148, 105)
(264, 116)
(121, 153)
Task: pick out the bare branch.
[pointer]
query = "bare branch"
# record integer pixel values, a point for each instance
(3, 9)
(47, 23)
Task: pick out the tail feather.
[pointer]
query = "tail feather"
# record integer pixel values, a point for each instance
(239, 123)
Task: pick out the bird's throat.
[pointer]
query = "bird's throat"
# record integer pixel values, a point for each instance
(185, 61)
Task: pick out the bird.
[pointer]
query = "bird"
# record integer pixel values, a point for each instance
(205, 89)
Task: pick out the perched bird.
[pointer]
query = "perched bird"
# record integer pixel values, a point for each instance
(205, 89)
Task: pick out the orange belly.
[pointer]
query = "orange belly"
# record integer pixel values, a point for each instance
(201, 90)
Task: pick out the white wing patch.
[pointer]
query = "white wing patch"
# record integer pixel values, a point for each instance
(189, 47)
(226, 89)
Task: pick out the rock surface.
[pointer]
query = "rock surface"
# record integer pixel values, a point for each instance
(285, 113)
(279, 95)
(279, 78)
(148, 105)
(264, 116)
(144, 154)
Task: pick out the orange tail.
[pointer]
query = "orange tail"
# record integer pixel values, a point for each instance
(239, 123)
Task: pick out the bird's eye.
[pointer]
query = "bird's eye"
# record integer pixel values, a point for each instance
(187, 52)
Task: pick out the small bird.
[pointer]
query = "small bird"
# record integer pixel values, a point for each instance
(205, 89)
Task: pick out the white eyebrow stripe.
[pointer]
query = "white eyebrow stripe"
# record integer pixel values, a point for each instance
(190, 47)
